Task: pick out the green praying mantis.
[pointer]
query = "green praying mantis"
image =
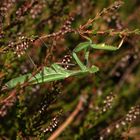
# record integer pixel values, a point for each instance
(56, 72)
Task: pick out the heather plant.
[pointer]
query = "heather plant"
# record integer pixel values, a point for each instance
(69, 69)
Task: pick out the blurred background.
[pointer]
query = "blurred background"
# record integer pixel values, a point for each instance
(106, 104)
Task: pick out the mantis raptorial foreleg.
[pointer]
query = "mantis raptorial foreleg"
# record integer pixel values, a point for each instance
(82, 46)
(86, 56)
(86, 46)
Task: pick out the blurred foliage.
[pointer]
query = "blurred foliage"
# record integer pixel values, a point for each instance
(105, 105)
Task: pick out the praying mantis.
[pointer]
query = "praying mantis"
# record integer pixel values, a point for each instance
(56, 72)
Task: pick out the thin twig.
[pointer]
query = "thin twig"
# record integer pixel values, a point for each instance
(68, 121)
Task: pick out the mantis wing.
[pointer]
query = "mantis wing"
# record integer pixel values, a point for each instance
(53, 73)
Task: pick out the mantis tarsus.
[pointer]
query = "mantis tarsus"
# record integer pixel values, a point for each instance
(56, 72)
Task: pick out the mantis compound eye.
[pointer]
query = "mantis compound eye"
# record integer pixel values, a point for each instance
(66, 60)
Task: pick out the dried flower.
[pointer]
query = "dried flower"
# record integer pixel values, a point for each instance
(26, 6)
(66, 28)
(37, 9)
(66, 60)
(133, 114)
(6, 6)
(107, 104)
(20, 46)
(52, 125)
